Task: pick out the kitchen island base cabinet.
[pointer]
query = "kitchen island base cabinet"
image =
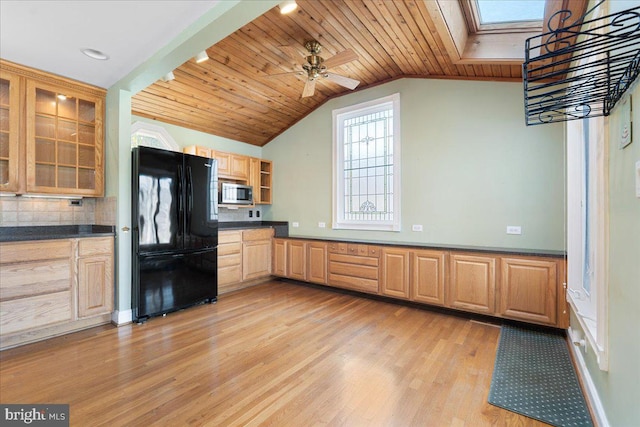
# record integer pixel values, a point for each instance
(52, 287)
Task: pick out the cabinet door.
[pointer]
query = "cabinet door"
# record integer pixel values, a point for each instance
(528, 290)
(395, 273)
(296, 260)
(95, 285)
(9, 131)
(428, 277)
(473, 283)
(256, 259)
(279, 258)
(317, 262)
(197, 150)
(64, 141)
(239, 167)
(224, 163)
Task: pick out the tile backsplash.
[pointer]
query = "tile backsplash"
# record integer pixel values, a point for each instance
(240, 214)
(24, 211)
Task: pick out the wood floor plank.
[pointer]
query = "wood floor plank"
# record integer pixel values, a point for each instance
(276, 354)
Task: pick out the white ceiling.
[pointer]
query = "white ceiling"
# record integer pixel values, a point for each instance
(49, 35)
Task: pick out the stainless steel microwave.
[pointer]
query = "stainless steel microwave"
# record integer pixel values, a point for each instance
(235, 194)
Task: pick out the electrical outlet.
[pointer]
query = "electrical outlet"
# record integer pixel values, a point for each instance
(250, 214)
(321, 225)
(416, 227)
(295, 224)
(514, 229)
(257, 214)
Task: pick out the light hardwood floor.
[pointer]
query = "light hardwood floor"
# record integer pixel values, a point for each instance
(277, 354)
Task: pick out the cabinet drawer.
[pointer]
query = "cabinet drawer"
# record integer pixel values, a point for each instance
(229, 237)
(33, 312)
(228, 260)
(228, 275)
(355, 260)
(229, 248)
(34, 251)
(27, 279)
(363, 271)
(88, 247)
(338, 248)
(355, 283)
(257, 234)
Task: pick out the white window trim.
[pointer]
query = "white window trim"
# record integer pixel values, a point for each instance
(590, 310)
(158, 132)
(338, 173)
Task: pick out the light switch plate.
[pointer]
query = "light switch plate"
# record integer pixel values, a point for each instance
(295, 224)
(322, 225)
(416, 227)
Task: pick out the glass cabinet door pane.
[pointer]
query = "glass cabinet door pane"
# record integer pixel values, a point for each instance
(66, 154)
(45, 151)
(45, 102)
(4, 119)
(66, 177)
(67, 107)
(4, 92)
(45, 175)
(86, 179)
(86, 156)
(4, 145)
(4, 172)
(67, 130)
(45, 126)
(86, 134)
(87, 111)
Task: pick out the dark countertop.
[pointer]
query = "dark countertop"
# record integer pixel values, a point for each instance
(418, 245)
(281, 228)
(48, 232)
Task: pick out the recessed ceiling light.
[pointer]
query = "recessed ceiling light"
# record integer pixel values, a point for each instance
(287, 6)
(95, 54)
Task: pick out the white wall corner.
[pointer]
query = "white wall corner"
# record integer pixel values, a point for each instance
(591, 393)
(122, 317)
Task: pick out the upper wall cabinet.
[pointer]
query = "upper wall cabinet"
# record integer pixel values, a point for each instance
(54, 140)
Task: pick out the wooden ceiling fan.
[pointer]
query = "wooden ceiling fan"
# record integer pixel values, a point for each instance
(316, 67)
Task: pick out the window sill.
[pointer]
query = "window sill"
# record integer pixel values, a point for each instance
(589, 327)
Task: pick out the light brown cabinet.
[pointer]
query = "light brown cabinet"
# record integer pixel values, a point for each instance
(260, 180)
(232, 166)
(472, 283)
(316, 262)
(51, 287)
(95, 276)
(59, 133)
(279, 258)
(256, 253)
(229, 260)
(528, 289)
(428, 276)
(244, 256)
(354, 266)
(296, 260)
(9, 131)
(394, 277)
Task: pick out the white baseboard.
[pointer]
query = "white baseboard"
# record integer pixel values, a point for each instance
(591, 392)
(122, 317)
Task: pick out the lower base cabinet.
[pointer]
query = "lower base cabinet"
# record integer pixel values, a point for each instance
(52, 287)
(244, 257)
(524, 288)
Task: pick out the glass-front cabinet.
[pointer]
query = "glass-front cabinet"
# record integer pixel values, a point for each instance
(9, 123)
(64, 141)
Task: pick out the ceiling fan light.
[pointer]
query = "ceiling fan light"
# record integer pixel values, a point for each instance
(288, 6)
(168, 77)
(202, 56)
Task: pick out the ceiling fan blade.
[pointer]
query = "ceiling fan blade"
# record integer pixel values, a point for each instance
(309, 88)
(340, 58)
(285, 74)
(292, 52)
(342, 80)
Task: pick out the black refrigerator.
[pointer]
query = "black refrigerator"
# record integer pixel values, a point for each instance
(175, 231)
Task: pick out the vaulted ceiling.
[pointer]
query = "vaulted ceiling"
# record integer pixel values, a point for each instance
(236, 95)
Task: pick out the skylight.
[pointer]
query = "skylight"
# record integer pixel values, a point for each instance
(502, 11)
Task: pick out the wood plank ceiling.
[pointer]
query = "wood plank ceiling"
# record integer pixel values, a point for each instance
(232, 95)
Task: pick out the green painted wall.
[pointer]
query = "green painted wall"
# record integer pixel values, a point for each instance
(185, 137)
(619, 388)
(470, 167)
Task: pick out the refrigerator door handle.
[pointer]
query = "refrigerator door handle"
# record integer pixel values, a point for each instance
(189, 197)
(180, 206)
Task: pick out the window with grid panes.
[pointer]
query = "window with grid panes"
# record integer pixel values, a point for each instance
(367, 165)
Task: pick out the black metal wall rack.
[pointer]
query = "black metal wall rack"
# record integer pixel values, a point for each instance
(581, 68)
